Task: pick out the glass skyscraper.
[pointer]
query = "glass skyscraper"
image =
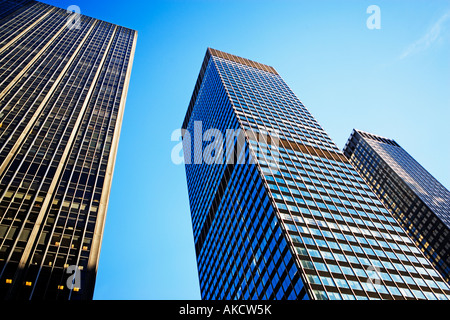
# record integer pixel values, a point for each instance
(63, 84)
(283, 214)
(413, 196)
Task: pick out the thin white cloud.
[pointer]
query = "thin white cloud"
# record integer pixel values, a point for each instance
(433, 34)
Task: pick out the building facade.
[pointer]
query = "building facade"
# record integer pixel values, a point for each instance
(63, 85)
(278, 211)
(413, 196)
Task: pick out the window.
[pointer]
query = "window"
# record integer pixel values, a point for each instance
(308, 240)
(314, 253)
(340, 257)
(334, 268)
(368, 286)
(354, 285)
(431, 283)
(326, 281)
(368, 251)
(345, 247)
(418, 294)
(397, 278)
(399, 267)
(290, 227)
(334, 296)
(322, 243)
(295, 238)
(394, 291)
(341, 283)
(347, 271)
(327, 255)
(333, 245)
(320, 295)
(382, 289)
(352, 259)
(301, 251)
(315, 231)
(360, 272)
(306, 264)
(313, 278)
(406, 292)
(320, 266)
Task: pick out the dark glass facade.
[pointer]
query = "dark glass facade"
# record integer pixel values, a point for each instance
(62, 97)
(413, 196)
(293, 220)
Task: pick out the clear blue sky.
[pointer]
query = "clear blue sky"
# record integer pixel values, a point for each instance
(394, 82)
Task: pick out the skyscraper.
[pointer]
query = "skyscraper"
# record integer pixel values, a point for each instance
(63, 84)
(283, 214)
(413, 196)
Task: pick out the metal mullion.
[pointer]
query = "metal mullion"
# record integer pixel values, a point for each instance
(363, 235)
(297, 119)
(258, 93)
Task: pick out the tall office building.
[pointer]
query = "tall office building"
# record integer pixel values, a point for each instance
(413, 196)
(283, 214)
(63, 85)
